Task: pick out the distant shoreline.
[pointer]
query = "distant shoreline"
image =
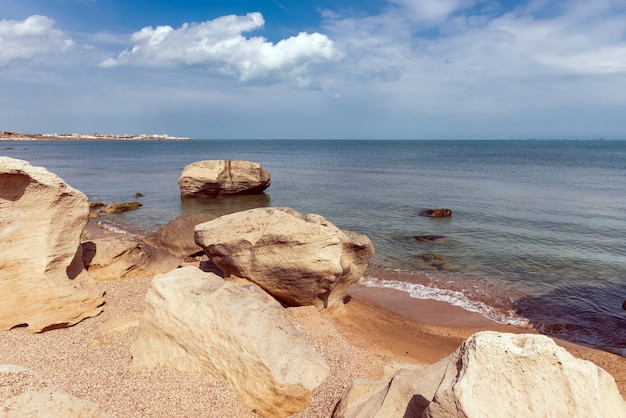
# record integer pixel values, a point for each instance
(17, 136)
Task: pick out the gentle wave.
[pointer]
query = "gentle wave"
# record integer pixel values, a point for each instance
(453, 297)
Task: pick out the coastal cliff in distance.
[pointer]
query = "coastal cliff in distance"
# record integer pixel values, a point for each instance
(16, 136)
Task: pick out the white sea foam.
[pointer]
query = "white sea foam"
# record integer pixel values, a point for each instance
(453, 297)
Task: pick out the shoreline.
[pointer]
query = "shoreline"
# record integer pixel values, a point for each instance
(17, 136)
(374, 331)
(424, 331)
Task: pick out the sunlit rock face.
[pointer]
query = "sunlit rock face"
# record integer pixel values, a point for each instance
(41, 269)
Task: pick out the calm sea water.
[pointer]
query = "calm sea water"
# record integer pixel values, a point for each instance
(537, 236)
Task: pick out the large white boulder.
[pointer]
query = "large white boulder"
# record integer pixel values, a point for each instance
(41, 271)
(211, 178)
(523, 375)
(196, 321)
(300, 260)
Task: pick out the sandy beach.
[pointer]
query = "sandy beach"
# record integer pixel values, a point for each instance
(90, 360)
(374, 329)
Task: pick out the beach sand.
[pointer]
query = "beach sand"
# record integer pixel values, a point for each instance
(375, 327)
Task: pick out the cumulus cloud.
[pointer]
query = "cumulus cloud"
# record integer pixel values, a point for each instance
(30, 37)
(219, 46)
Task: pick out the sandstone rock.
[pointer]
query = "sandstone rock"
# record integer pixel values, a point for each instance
(41, 274)
(437, 213)
(510, 375)
(405, 394)
(177, 236)
(211, 178)
(196, 321)
(115, 258)
(38, 398)
(300, 260)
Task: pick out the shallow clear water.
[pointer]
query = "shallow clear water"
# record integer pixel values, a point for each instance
(537, 234)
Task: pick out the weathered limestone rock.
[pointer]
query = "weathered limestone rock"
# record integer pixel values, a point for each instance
(41, 273)
(177, 236)
(117, 207)
(115, 258)
(40, 398)
(406, 393)
(509, 375)
(301, 260)
(211, 178)
(196, 321)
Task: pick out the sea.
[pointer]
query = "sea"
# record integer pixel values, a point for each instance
(537, 236)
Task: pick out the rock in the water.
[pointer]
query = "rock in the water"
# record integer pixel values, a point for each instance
(300, 260)
(41, 273)
(115, 258)
(211, 178)
(509, 375)
(437, 213)
(177, 236)
(196, 321)
(117, 207)
(38, 398)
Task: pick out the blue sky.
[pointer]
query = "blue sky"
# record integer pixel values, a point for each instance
(400, 69)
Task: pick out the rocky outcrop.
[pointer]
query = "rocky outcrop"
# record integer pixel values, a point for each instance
(437, 213)
(511, 375)
(196, 321)
(41, 273)
(492, 374)
(212, 178)
(38, 398)
(405, 394)
(300, 260)
(114, 258)
(177, 236)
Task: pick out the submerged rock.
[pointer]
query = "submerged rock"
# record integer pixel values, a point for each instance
(437, 213)
(212, 178)
(117, 207)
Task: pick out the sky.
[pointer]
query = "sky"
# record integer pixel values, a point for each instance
(307, 69)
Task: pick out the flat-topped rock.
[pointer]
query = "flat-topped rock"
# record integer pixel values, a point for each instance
(212, 178)
(41, 270)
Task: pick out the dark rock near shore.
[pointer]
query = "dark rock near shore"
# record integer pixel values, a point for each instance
(437, 213)
(116, 207)
(428, 237)
(177, 236)
(435, 262)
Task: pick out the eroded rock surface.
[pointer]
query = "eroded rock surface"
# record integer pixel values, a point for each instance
(41, 273)
(114, 258)
(301, 260)
(196, 321)
(492, 374)
(212, 178)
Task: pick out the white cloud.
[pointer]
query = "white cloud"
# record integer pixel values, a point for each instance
(431, 11)
(219, 46)
(30, 37)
